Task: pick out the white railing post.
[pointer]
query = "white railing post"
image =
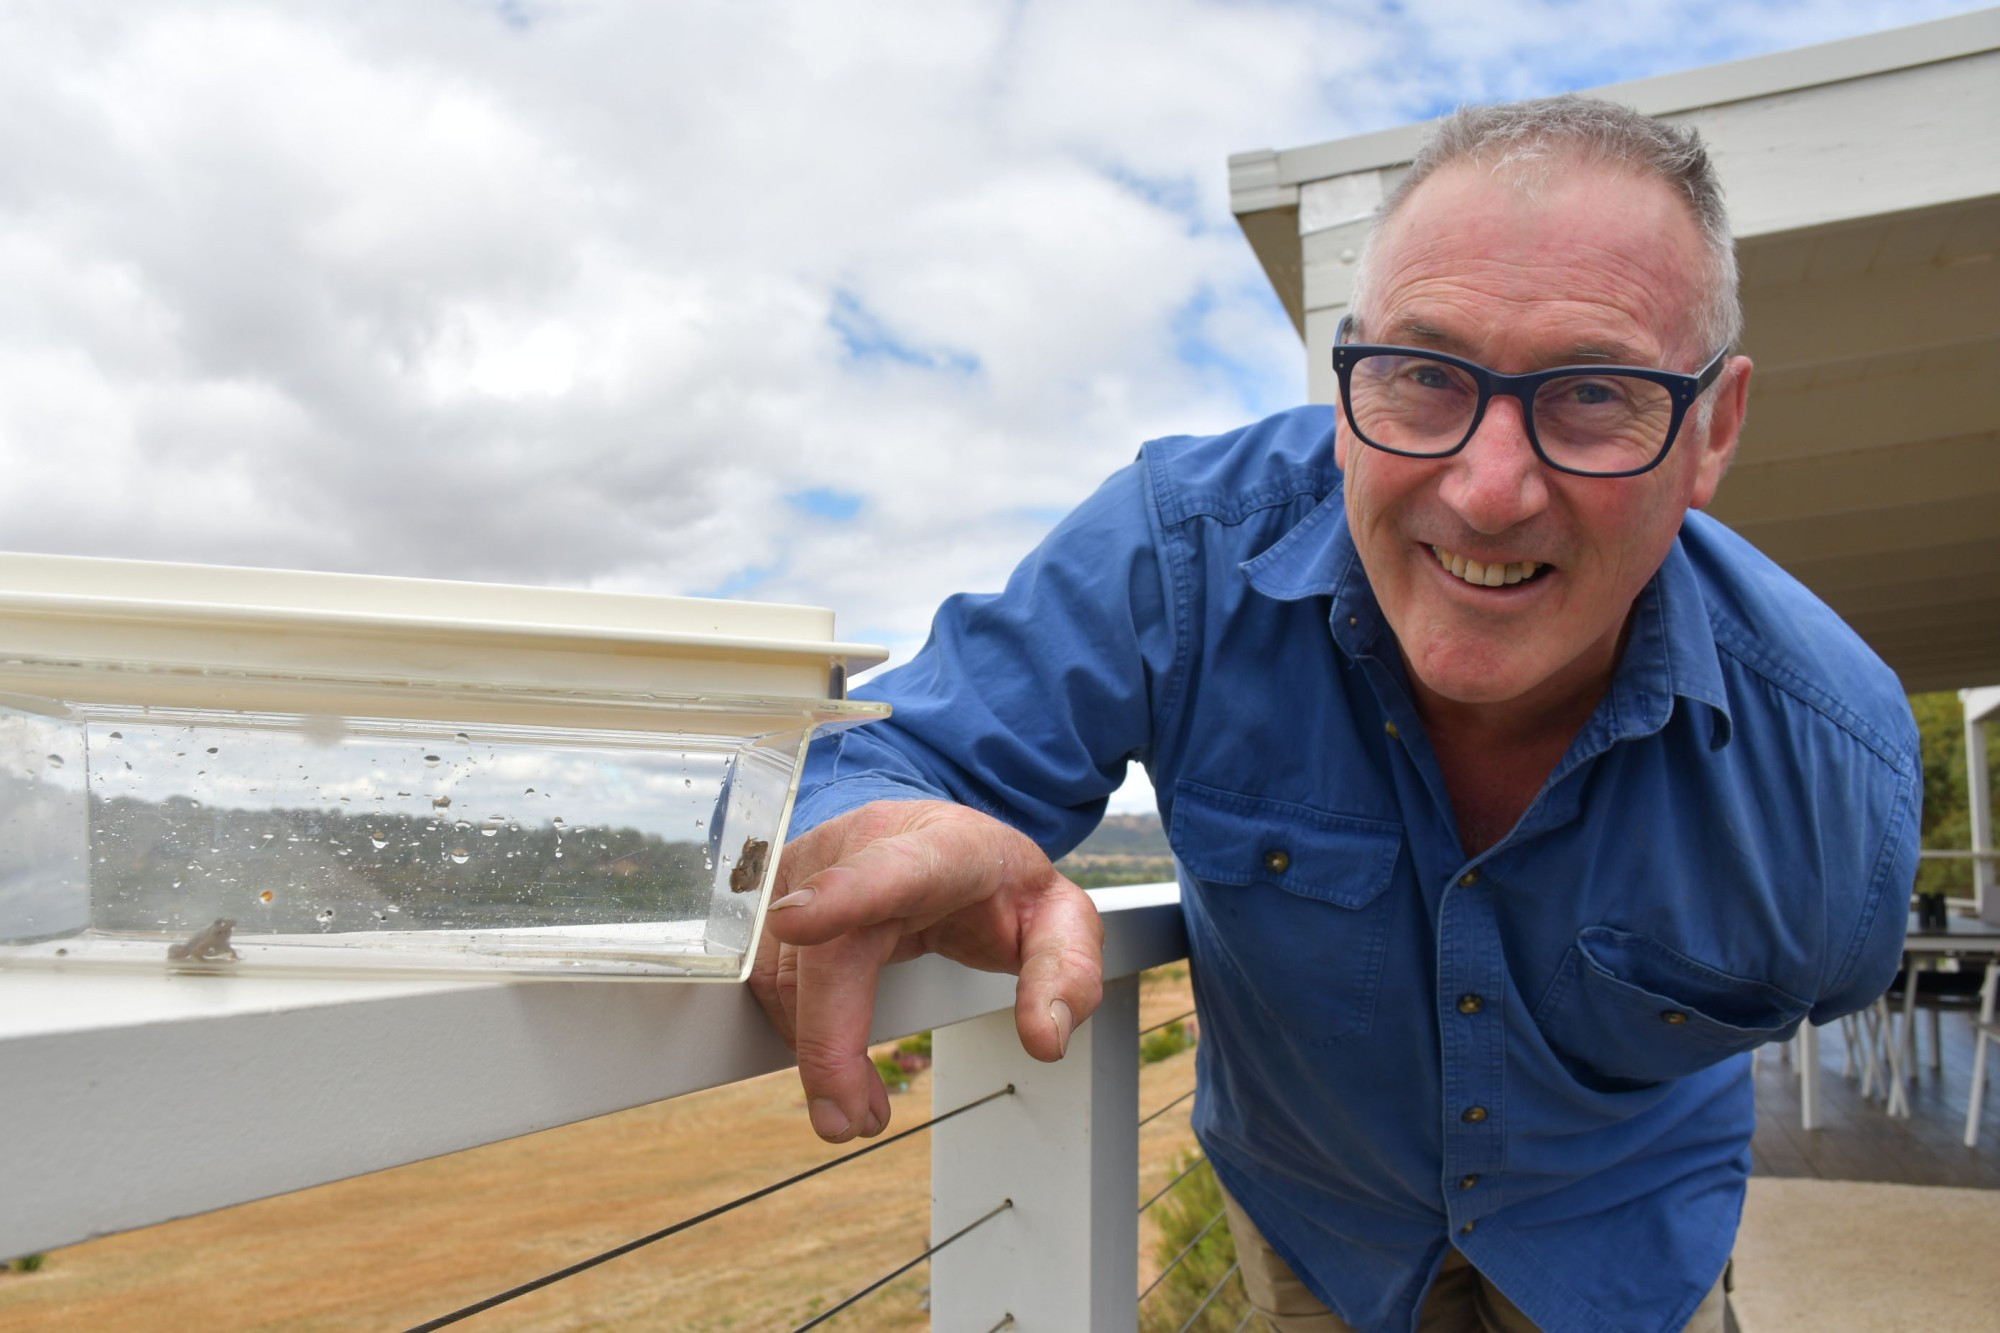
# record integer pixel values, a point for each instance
(1980, 705)
(1065, 1149)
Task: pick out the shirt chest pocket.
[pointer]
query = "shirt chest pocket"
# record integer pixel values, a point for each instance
(1627, 1012)
(1295, 899)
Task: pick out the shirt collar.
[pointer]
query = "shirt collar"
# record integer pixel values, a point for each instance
(1669, 655)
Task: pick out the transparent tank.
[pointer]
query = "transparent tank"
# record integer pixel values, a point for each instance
(340, 824)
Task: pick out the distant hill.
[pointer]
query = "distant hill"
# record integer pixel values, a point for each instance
(1125, 849)
(1126, 835)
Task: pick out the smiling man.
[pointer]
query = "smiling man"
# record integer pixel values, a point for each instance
(1514, 801)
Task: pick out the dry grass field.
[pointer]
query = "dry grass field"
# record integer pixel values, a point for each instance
(397, 1247)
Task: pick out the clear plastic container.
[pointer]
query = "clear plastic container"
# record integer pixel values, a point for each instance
(221, 770)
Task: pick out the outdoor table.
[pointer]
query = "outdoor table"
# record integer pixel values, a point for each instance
(1966, 938)
(1962, 937)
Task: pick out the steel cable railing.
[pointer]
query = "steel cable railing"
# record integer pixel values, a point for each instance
(1186, 1250)
(685, 1224)
(1209, 1299)
(886, 1279)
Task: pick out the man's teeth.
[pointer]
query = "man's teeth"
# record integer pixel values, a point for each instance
(1489, 576)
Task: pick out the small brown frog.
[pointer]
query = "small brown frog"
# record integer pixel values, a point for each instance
(210, 944)
(748, 873)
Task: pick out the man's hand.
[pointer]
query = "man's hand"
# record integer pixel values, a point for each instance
(894, 880)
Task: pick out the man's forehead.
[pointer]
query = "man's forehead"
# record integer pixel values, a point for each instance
(1592, 234)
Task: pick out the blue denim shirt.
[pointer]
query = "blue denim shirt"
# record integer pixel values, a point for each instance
(1535, 1054)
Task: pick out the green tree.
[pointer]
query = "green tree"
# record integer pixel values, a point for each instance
(1947, 820)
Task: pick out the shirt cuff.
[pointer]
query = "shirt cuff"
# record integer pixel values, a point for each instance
(830, 800)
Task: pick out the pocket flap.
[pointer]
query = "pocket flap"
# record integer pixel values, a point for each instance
(1227, 838)
(1639, 972)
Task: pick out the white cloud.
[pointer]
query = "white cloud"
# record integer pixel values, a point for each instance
(416, 288)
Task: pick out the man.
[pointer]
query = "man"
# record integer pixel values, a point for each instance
(1514, 802)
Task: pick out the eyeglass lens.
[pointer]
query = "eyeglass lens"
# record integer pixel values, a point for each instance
(1589, 422)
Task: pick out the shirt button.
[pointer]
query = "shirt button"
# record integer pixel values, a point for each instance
(1467, 1182)
(1473, 1115)
(1470, 1004)
(1468, 879)
(1466, 1230)
(1673, 1016)
(1277, 860)
(1390, 727)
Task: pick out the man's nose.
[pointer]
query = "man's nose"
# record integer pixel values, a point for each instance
(1496, 481)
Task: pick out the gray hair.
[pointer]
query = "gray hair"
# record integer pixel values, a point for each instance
(1529, 140)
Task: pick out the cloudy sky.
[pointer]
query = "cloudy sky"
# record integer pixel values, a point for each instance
(827, 301)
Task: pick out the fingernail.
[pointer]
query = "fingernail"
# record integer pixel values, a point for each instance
(1065, 1021)
(796, 898)
(829, 1121)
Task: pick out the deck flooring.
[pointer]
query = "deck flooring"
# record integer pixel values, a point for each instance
(1859, 1141)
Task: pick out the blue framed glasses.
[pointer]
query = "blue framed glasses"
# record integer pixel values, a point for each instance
(1591, 421)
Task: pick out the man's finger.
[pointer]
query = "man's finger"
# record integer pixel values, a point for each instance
(1062, 970)
(835, 1006)
(765, 984)
(918, 876)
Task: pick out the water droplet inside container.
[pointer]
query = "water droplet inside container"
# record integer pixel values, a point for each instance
(215, 749)
(687, 782)
(461, 736)
(432, 761)
(266, 896)
(381, 916)
(460, 856)
(558, 825)
(376, 840)
(344, 851)
(440, 802)
(325, 915)
(55, 761)
(177, 884)
(117, 735)
(490, 826)
(529, 792)
(558, 853)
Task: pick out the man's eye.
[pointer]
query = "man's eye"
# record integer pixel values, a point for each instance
(1430, 377)
(1593, 393)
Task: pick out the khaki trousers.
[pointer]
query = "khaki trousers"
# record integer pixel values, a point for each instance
(1460, 1301)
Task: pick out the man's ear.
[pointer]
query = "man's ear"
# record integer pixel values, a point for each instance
(1725, 427)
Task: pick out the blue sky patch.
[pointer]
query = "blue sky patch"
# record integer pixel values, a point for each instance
(824, 502)
(866, 337)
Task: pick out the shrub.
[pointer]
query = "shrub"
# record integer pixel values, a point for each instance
(29, 1263)
(892, 1073)
(1185, 1210)
(1169, 1041)
(916, 1044)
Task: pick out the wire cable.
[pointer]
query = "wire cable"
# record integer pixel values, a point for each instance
(686, 1223)
(1144, 1120)
(1209, 1299)
(1163, 1189)
(885, 1280)
(1175, 1262)
(1180, 1018)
